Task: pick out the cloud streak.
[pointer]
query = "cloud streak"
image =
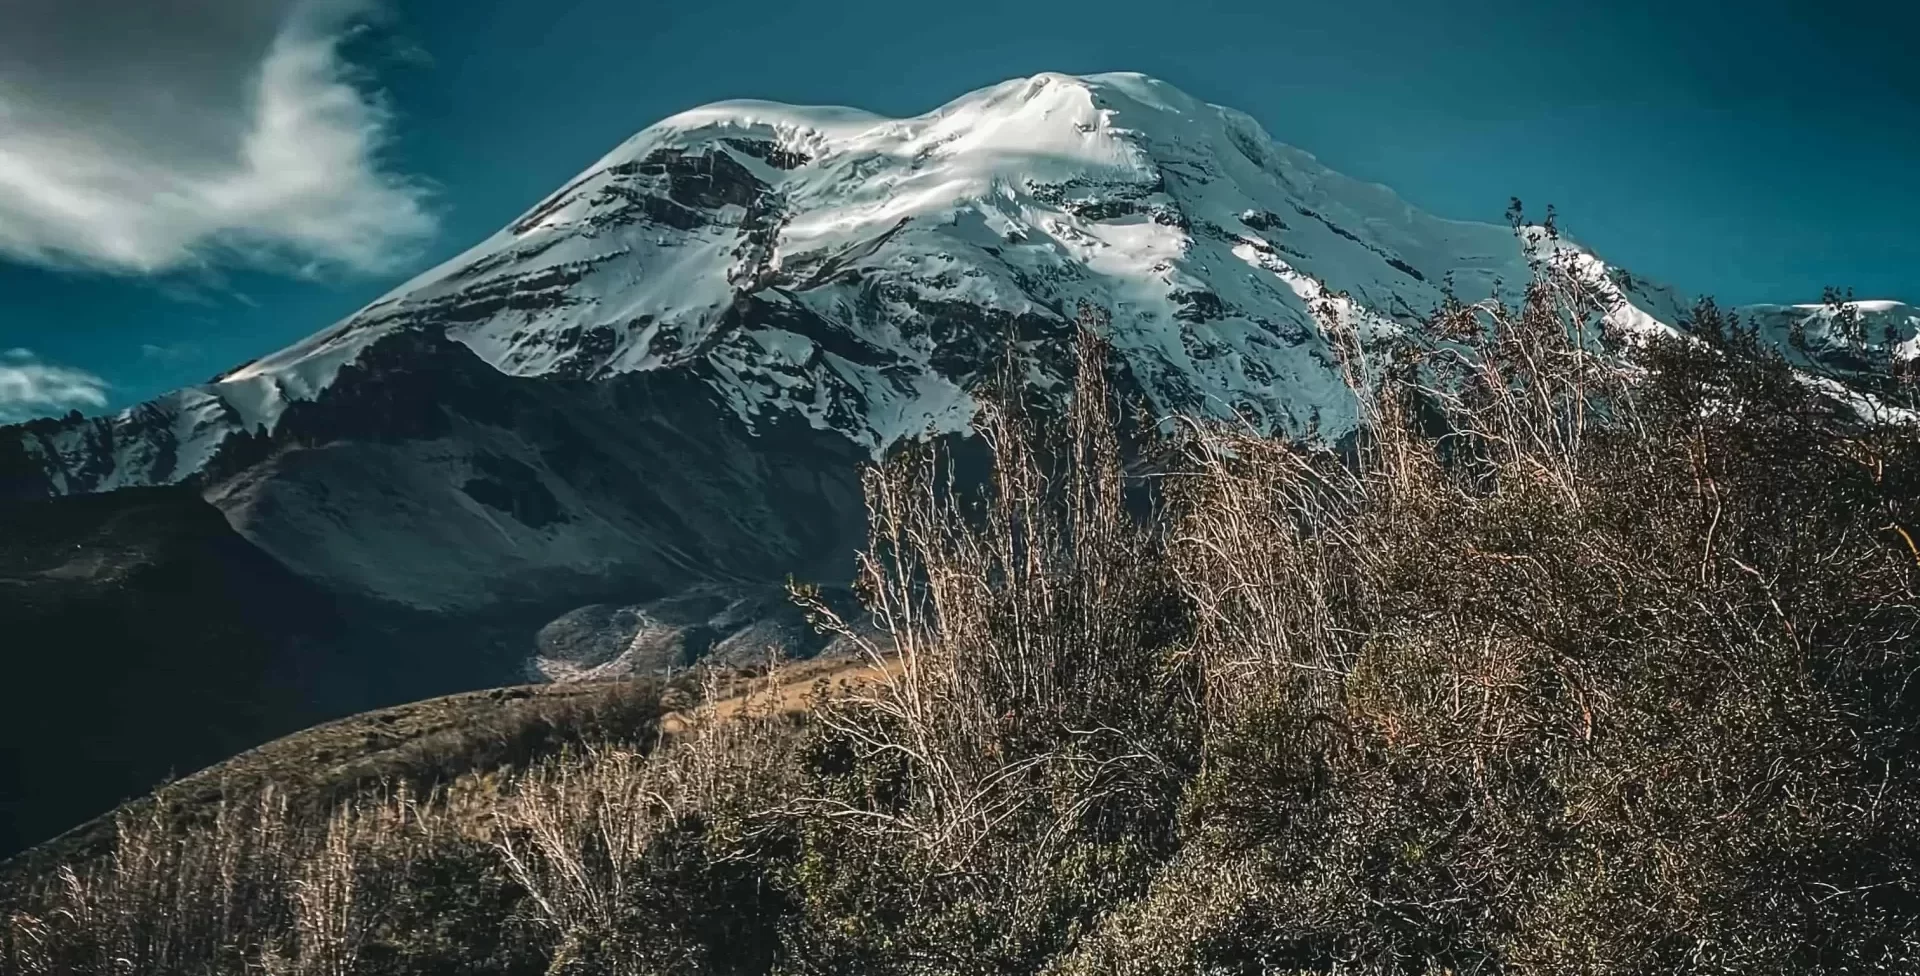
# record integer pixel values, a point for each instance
(31, 387)
(175, 134)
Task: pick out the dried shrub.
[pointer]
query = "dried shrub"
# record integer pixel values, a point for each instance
(1591, 653)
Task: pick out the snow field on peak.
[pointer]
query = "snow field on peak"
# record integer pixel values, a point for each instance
(960, 181)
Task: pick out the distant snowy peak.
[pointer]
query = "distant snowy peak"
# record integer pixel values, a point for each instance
(1838, 335)
(860, 272)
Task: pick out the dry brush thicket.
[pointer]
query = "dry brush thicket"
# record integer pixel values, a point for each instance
(1591, 654)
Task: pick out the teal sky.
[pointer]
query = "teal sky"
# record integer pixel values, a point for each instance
(1757, 156)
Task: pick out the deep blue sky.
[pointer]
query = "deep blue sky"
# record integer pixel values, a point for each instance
(1757, 151)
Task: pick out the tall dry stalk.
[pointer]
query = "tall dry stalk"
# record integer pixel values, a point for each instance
(585, 835)
(1035, 704)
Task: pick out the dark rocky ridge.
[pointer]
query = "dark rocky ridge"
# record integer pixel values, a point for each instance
(425, 476)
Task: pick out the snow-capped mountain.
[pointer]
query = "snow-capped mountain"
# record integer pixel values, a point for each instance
(1846, 339)
(670, 367)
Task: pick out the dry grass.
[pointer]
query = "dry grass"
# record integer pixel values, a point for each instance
(1561, 667)
(1570, 670)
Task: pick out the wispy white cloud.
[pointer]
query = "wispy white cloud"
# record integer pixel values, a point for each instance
(32, 387)
(142, 138)
(172, 352)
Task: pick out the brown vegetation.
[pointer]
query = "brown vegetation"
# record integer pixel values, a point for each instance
(1561, 666)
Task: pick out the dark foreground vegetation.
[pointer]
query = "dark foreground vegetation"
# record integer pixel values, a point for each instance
(1561, 668)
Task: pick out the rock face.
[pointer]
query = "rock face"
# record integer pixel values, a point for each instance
(426, 477)
(737, 626)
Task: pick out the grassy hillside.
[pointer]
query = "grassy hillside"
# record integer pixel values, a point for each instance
(1559, 669)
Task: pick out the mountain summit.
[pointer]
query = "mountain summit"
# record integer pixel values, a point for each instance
(668, 369)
